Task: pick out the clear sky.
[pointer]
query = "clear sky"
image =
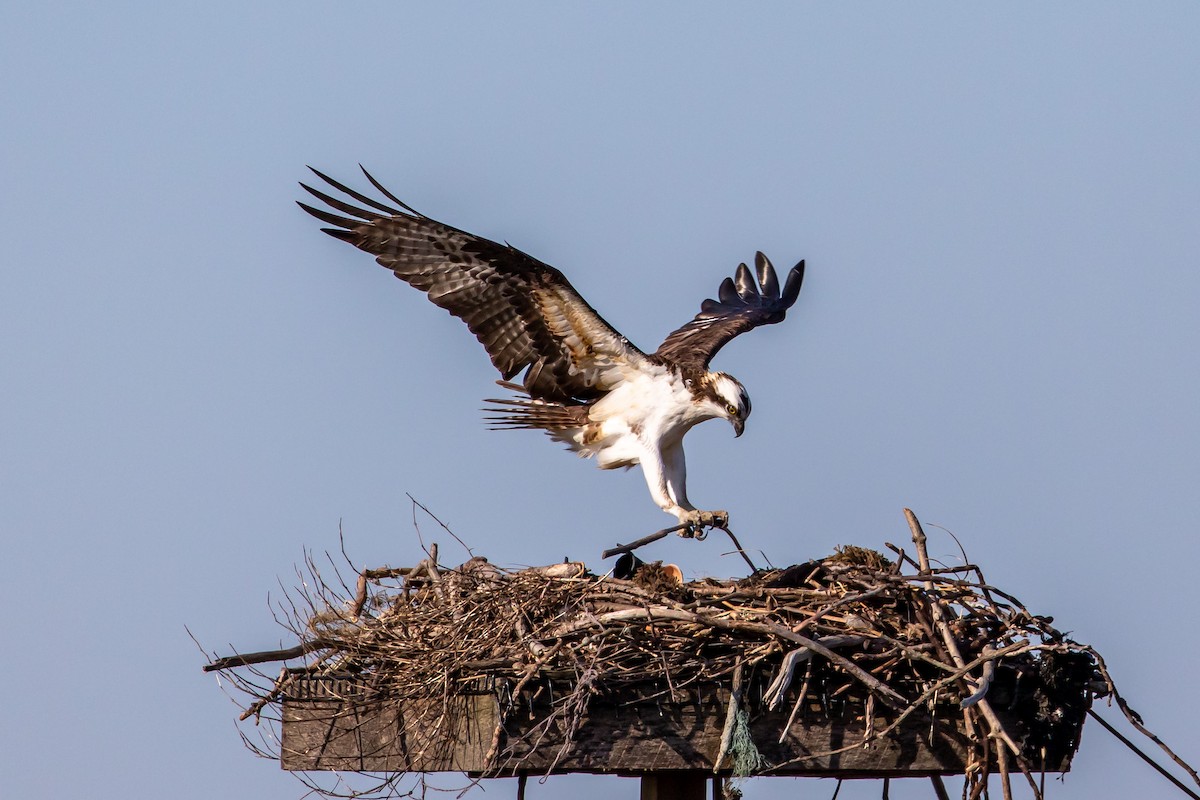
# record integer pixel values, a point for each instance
(999, 209)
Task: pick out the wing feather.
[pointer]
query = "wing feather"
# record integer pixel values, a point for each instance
(767, 279)
(359, 196)
(524, 312)
(742, 305)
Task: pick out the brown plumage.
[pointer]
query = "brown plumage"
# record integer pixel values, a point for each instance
(742, 306)
(525, 313)
(583, 382)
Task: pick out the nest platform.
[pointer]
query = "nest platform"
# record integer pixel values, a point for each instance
(851, 666)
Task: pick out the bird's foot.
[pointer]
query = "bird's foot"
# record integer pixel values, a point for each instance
(697, 522)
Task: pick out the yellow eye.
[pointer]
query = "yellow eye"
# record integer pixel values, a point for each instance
(731, 408)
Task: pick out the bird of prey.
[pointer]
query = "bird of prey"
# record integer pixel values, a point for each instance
(584, 383)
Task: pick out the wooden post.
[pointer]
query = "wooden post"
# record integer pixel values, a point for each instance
(681, 785)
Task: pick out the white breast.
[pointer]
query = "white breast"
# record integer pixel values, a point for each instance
(645, 413)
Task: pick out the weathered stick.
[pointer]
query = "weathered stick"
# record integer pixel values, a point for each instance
(1005, 783)
(629, 548)
(654, 537)
(891, 697)
(800, 698)
(778, 688)
(530, 672)
(567, 569)
(1135, 719)
(985, 708)
(257, 707)
(1178, 783)
(360, 594)
(263, 656)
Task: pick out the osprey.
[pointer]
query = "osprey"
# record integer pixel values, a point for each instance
(584, 383)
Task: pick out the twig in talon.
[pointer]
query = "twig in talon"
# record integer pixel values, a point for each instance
(654, 537)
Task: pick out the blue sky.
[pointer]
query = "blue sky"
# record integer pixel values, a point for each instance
(998, 327)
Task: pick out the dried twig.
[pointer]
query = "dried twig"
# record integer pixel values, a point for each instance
(1142, 755)
(645, 540)
(265, 656)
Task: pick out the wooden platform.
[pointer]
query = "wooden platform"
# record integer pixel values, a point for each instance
(336, 724)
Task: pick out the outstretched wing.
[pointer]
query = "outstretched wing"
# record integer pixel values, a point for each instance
(524, 312)
(743, 305)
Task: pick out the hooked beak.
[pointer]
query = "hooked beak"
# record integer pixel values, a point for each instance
(738, 426)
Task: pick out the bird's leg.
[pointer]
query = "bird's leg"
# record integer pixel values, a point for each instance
(666, 475)
(668, 497)
(674, 470)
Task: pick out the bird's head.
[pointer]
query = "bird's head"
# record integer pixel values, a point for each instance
(729, 398)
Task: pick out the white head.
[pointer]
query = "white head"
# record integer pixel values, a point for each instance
(728, 399)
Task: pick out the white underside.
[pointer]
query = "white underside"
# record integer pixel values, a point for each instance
(642, 421)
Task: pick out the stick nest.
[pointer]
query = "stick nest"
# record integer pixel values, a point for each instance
(855, 635)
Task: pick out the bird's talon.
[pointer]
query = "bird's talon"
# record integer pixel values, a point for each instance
(697, 523)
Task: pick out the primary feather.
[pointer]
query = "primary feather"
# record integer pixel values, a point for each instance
(742, 306)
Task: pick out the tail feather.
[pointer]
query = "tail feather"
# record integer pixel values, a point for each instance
(525, 412)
